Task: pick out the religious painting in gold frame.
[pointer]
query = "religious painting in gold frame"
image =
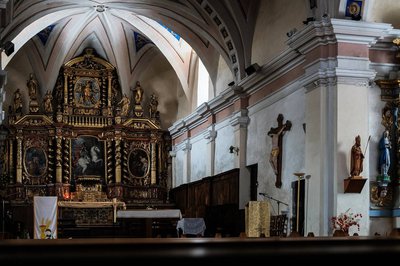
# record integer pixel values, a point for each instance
(35, 162)
(87, 93)
(87, 158)
(138, 163)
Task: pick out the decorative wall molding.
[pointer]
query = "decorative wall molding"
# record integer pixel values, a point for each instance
(312, 51)
(186, 146)
(240, 119)
(360, 32)
(210, 135)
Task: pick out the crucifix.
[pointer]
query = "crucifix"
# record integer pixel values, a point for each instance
(275, 158)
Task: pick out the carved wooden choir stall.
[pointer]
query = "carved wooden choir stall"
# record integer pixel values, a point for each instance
(85, 141)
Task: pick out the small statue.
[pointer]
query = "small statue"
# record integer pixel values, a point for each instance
(384, 154)
(32, 85)
(124, 105)
(48, 102)
(138, 93)
(153, 106)
(357, 158)
(17, 102)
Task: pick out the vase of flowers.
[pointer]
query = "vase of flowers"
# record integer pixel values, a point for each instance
(344, 221)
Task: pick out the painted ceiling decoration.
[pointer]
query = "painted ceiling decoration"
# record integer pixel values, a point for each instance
(176, 35)
(45, 34)
(140, 41)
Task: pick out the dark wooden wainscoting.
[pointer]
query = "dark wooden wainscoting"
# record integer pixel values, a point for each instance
(214, 198)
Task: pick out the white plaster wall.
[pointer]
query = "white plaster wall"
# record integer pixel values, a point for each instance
(375, 105)
(275, 18)
(224, 160)
(179, 159)
(17, 75)
(224, 77)
(157, 76)
(263, 116)
(352, 120)
(199, 158)
(386, 11)
(316, 144)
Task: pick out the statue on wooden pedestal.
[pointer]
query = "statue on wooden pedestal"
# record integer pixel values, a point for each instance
(357, 158)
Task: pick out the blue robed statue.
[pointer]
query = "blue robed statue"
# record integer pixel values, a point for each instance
(384, 154)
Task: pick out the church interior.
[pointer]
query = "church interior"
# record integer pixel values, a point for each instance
(215, 129)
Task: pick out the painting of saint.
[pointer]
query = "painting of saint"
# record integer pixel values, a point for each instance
(35, 162)
(139, 163)
(87, 157)
(87, 93)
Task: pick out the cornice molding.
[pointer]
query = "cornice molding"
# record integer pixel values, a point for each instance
(315, 34)
(327, 71)
(359, 32)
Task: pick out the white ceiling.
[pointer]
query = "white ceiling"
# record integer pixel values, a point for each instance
(212, 28)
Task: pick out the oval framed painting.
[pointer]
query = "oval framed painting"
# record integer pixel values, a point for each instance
(35, 162)
(138, 163)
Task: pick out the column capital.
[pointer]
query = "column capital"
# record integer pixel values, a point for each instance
(210, 135)
(240, 119)
(186, 146)
(172, 153)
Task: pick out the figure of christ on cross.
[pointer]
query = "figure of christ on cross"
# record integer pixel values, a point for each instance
(275, 158)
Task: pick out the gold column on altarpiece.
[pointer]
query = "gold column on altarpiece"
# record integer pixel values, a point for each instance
(65, 89)
(118, 160)
(67, 155)
(58, 159)
(10, 158)
(109, 91)
(110, 160)
(19, 159)
(153, 175)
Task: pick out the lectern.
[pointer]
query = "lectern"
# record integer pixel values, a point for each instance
(257, 219)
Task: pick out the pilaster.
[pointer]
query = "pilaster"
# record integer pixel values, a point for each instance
(239, 122)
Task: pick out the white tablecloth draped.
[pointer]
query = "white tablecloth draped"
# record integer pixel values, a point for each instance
(192, 226)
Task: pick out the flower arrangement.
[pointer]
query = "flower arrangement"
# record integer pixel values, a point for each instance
(346, 220)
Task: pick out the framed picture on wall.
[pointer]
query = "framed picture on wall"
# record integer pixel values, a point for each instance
(35, 162)
(87, 157)
(354, 9)
(138, 163)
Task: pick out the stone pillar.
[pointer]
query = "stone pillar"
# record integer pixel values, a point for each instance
(210, 136)
(239, 121)
(173, 166)
(187, 147)
(319, 155)
(337, 97)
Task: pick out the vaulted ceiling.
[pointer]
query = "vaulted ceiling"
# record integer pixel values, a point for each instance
(122, 31)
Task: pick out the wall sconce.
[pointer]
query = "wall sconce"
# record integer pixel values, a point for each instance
(234, 149)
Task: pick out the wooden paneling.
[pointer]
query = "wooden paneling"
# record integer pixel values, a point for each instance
(214, 198)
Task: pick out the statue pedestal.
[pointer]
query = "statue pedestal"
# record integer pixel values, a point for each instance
(354, 184)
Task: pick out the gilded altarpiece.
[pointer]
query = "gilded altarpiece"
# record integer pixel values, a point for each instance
(82, 147)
